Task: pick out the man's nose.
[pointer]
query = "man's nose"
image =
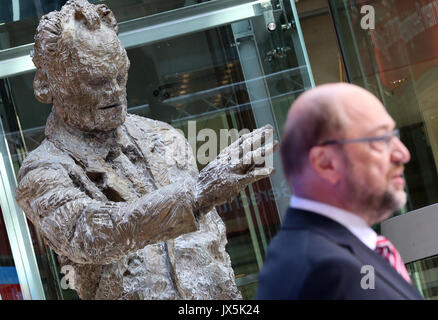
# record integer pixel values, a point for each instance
(399, 152)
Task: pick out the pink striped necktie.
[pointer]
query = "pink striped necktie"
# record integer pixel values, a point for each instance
(386, 249)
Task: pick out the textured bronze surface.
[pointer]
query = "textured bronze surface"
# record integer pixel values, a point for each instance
(117, 196)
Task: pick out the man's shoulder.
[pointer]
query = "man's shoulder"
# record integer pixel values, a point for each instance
(295, 255)
(306, 250)
(307, 242)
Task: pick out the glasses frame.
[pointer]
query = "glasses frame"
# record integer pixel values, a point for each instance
(386, 137)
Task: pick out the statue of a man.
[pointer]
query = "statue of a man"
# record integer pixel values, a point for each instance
(118, 197)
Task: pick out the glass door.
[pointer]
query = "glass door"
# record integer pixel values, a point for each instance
(19, 274)
(9, 285)
(210, 69)
(390, 48)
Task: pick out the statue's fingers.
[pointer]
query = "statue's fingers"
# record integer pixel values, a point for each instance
(254, 142)
(267, 134)
(255, 175)
(276, 145)
(259, 135)
(242, 155)
(263, 172)
(267, 150)
(259, 156)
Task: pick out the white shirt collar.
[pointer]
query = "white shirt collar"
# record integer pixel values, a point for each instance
(352, 222)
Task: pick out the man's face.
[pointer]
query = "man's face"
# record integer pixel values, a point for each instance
(373, 172)
(89, 87)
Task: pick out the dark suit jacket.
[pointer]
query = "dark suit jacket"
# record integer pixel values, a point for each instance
(314, 257)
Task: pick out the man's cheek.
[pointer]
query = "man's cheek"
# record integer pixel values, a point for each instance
(374, 178)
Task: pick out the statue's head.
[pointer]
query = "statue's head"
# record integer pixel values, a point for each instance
(82, 68)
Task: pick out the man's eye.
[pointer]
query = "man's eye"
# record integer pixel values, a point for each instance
(388, 140)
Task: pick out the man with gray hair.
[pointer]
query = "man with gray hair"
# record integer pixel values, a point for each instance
(119, 197)
(344, 162)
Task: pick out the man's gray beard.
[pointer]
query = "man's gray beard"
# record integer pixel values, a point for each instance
(378, 206)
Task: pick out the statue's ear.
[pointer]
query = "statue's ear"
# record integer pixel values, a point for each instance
(41, 88)
(108, 17)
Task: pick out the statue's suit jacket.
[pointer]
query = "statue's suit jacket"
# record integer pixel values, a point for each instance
(314, 257)
(78, 191)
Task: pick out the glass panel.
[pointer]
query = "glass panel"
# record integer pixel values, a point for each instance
(9, 285)
(45, 258)
(237, 76)
(13, 137)
(321, 42)
(19, 18)
(397, 61)
(424, 275)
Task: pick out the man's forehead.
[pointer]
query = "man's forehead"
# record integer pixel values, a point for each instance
(368, 116)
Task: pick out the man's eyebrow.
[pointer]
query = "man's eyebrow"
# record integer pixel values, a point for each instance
(381, 127)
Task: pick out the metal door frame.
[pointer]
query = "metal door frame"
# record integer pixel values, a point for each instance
(17, 229)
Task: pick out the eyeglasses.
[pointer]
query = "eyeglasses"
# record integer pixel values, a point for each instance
(379, 143)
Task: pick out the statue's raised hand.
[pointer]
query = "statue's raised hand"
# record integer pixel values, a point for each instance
(243, 162)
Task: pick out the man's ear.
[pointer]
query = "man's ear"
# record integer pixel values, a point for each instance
(322, 162)
(41, 88)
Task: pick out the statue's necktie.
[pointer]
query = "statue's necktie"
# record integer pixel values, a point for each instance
(386, 249)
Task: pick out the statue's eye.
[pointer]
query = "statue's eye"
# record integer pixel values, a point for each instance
(98, 82)
(120, 78)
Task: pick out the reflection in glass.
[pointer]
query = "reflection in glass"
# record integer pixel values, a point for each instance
(19, 19)
(397, 61)
(237, 76)
(9, 286)
(424, 275)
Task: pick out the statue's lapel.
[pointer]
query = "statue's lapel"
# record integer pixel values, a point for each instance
(151, 139)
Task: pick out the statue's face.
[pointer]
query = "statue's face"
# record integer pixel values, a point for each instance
(89, 91)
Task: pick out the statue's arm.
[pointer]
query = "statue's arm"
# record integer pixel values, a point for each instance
(237, 166)
(90, 231)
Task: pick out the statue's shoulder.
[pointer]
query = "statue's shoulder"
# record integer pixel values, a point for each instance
(46, 151)
(46, 155)
(152, 135)
(146, 125)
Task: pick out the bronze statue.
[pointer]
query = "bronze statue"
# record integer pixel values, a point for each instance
(119, 197)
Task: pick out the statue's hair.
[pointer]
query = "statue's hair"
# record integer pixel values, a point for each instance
(49, 34)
